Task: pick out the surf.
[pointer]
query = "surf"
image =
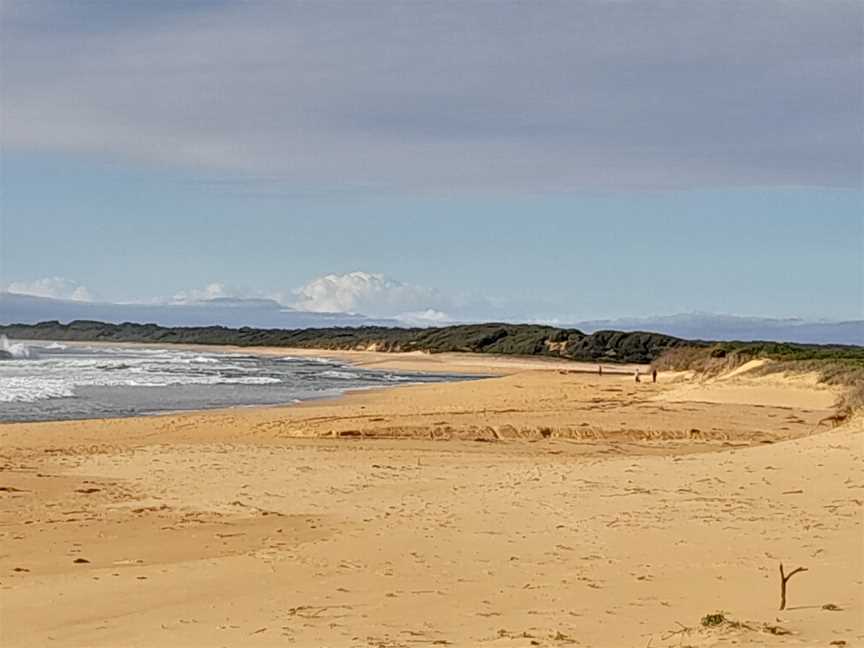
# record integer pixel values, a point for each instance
(13, 350)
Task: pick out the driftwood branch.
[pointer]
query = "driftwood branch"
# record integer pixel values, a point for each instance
(784, 578)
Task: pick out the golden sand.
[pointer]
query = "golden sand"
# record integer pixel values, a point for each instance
(541, 507)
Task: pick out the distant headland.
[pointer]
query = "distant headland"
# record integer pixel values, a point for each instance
(492, 338)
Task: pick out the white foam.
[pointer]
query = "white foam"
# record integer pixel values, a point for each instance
(27, 390)
(315, 359)
(339, 375)
(15, 349)
(392, 378)
(37, 379)
(29, 378)
(325, 361)
(32, 389)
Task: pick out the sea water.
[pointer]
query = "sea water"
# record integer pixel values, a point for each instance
(43, 381)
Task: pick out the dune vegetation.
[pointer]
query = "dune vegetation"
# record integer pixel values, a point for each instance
(493, 338)
(833, 364)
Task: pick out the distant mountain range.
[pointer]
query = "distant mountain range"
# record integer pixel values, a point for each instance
(264, 313)
(711, 326)
(234, 313)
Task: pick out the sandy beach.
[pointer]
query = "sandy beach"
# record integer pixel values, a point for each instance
(394, 324)
(545, 506)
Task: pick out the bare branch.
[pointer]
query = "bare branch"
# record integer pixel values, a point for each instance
(784, 578)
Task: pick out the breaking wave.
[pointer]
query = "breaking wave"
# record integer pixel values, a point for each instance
(30, 390)
(13, 350)
(49, 381)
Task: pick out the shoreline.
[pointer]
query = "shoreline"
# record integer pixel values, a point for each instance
(402, 361)
(673, 391)
(468, 365)
(297, 402)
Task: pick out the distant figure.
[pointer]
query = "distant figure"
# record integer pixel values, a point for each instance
(654, 375)
(638, 376)
(600, 370)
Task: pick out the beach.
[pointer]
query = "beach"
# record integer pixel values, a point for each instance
(543, 506)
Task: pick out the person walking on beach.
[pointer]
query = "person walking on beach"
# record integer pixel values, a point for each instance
(600, 370)
(637, 375)
(654, 375)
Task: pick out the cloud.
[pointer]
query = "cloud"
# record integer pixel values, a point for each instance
(428, 317)
(361, 294)
(370, 294)
(364, 293)
(215, 290)
(54, 287)
(446, 96)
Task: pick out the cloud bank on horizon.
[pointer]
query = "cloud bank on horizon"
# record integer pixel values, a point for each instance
(317, 304)
(446, 96)
(359, 298)
(52, 288)
(355, 293)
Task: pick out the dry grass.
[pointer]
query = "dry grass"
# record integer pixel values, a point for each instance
(853, 399)
(713, 361)
(842, 373)
(708, 361)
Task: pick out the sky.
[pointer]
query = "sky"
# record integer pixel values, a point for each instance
(450, 160)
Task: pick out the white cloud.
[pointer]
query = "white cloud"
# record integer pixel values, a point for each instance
(53, 287)
(371, 294)
(429, 317)
(215, 290)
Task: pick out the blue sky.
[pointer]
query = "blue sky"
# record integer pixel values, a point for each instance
(475, 160)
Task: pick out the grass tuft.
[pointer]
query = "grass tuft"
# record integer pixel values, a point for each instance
(716, 619)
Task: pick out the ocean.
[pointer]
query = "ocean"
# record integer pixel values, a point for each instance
(47, 381)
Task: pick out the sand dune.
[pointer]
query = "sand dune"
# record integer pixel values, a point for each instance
(541, 507)
(743, 387)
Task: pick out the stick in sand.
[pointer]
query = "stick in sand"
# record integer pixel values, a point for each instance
(784, 578)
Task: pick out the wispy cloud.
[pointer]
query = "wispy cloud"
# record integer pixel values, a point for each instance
(447, 97)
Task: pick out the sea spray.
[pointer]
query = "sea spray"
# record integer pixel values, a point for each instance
(12, 350)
